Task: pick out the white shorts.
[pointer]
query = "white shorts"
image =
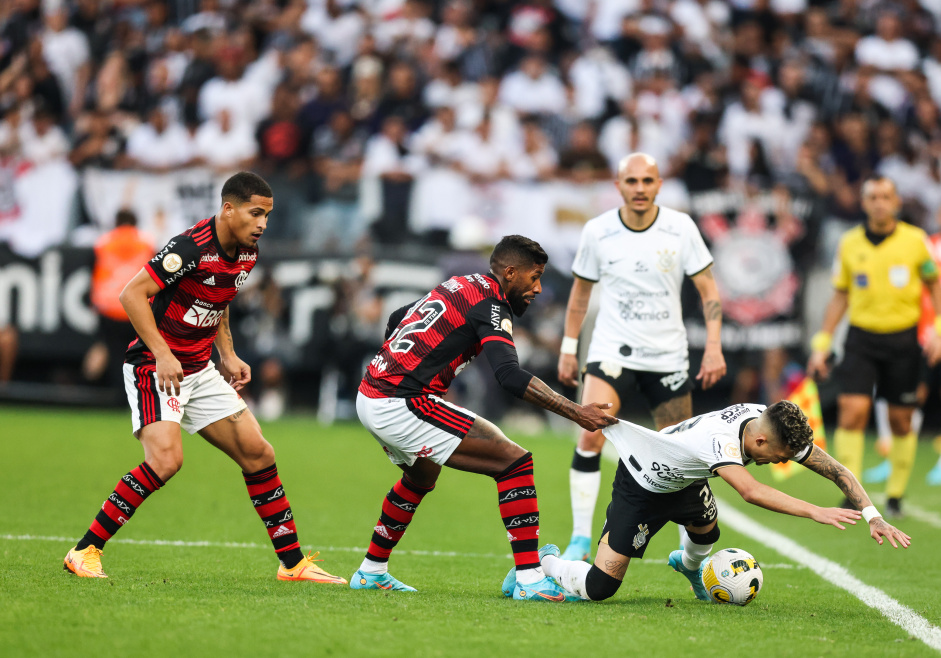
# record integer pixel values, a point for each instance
(409, 428)
(204, 398)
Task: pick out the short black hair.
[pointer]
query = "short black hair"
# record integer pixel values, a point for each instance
(241, 187)
(518, 250)
(125, 217)
(789, 425)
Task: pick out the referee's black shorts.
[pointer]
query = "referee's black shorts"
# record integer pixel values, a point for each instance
(889, 362)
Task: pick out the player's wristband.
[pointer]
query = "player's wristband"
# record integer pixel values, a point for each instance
(870, 513)
(569, 345)
(821, 341)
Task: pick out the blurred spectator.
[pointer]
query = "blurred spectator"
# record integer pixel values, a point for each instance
(119, 255)
(246, 98)
(533, 88)
(100, 144)
(406, 32)
(329, 99)
(536, 160)
(389, 169)
(200, 69)
(159, 145)
(98, 26)
(223, 146)
(66, 51)
(337, 27)
(366, 89)
(582, 162)
(337, 156)
(40, 139)
(745, 122)
(403, 98)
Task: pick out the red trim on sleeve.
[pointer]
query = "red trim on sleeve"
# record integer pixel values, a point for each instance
(153, 275)
(499, 338)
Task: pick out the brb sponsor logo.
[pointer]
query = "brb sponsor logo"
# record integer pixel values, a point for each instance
(202, 315)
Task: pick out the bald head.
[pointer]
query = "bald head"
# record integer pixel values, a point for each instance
(636, 162)
(639, 182)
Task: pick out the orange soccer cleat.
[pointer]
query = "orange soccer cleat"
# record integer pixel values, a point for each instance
(85, 563)
(307, 570)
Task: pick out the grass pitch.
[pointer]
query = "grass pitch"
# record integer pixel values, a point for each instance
(219, 599)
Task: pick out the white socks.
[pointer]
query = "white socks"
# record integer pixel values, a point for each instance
(570, 574)
(694, 554)
(372, 567)
(584, 487)
(529, 576)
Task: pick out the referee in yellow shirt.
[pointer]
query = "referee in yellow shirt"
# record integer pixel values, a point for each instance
(878, 275)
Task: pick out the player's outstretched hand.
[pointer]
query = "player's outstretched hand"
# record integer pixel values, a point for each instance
(169, 375)
(878, 529)
(592, 416)
(817, 365)
(836, 516)
(568, 369)
(239, 372)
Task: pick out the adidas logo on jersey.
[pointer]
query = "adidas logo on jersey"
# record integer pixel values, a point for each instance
(280, 532)
(211, 281)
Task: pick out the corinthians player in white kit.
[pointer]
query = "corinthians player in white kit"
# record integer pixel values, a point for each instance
(640, 253)
(662, 477)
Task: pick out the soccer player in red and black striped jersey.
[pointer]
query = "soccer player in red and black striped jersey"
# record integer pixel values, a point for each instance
(178, 304)
(428, 344)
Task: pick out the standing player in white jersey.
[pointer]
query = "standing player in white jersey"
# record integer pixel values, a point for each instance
(640, 253)
(661, 477)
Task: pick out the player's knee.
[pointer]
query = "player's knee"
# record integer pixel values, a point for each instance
(600, 585)
(591, 441)
(706, 538)
(258, 455)
(166, 463)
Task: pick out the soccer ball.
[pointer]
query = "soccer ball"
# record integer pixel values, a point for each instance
(732, 576)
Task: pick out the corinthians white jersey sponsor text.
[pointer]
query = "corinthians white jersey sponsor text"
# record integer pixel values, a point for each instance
(641, 275)
(675, 457)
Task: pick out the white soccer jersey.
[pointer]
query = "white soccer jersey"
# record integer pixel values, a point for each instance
(676, 456)
(640, 322)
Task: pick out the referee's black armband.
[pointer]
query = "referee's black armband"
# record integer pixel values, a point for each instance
(506, 367)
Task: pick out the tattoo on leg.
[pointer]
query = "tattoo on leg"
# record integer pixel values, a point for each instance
(673, 411)
(616, 568)
(236, 416)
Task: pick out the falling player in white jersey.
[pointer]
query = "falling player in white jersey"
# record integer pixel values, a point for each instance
(640, 253)
(661, 477)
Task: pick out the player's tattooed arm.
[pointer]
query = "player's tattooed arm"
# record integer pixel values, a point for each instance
(590, 416)
(820, 462)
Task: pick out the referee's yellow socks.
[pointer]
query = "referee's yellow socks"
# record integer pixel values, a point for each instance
(902, 458)
(849, 450)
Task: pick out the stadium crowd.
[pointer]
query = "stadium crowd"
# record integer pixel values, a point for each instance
(389, 121)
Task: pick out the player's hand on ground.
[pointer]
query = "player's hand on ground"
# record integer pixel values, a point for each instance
(817, 365)
(878, 529)
(169, 375)
(933, 351)
(593, 417)
(713, 366)
(568, 369)
(836, 516)
(239, 372)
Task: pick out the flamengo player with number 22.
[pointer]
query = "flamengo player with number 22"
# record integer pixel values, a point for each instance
(427, 344)
(178, 304)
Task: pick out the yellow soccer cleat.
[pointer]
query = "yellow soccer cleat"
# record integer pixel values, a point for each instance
(85, 563)
(307, 570)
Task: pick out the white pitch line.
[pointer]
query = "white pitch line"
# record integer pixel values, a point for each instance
(338, 549)
(900, 615)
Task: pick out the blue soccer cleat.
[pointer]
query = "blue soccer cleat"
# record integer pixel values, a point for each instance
(545, 590)
(579, 548)
(934, 476)
(879, 473)
(694, 577)
(360, 580)
(509, 583)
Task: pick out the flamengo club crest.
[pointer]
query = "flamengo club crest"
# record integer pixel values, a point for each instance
(240, 279)
(174, 405)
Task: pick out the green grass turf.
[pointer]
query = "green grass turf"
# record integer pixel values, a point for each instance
(169, 600)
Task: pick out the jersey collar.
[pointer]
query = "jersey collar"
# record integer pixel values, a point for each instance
(741, 437)
(500, 294)
(215, 240)
(636, 230)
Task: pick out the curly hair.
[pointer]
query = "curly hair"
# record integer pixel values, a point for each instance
(790, 425)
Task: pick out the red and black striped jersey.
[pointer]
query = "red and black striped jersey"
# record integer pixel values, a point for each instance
(438, 336)
(197, 281)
